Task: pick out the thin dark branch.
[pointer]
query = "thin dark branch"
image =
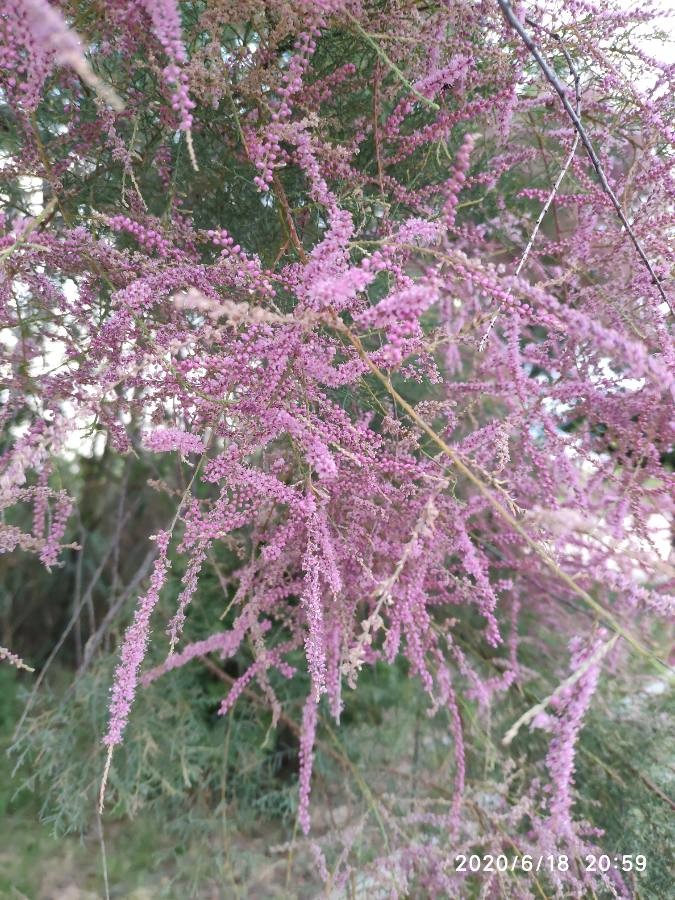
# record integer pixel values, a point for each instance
(560, 89)
(551, 197)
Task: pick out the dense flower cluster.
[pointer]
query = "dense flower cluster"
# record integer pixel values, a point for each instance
(386, 454)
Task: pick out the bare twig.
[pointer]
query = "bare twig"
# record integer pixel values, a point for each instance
(551, 196)
(104, 856)
(560, 89)
(287, 218)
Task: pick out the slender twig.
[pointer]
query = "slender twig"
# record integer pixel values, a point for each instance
(287, 218)
(551, 196)
(376, 125)
(104, 856)
(391, 64)
(532, 713)
(560, 89)
(30, 228)
(191, 149)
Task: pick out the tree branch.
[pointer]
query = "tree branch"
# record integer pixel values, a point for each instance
(560, 89)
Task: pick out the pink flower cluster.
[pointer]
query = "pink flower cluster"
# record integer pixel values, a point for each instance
(166, 22)
(146, 237)
(134, 647)
(456, 183)
(165, 439)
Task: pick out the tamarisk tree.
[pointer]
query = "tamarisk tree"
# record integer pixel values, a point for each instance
(390, 285)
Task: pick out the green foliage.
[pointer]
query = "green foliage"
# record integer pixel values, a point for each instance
(626, 781)
(201, 799)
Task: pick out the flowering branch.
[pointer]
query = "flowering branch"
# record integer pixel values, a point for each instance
(534, 711)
